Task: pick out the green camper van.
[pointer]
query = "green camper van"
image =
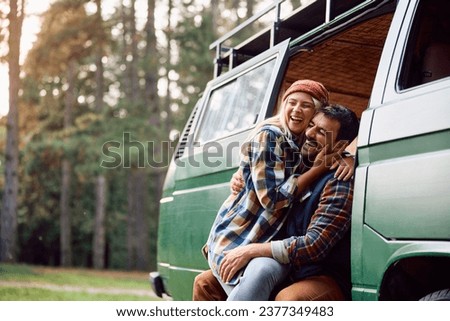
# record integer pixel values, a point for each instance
(389, 61)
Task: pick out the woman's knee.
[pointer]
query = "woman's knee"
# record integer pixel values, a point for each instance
(265, 267)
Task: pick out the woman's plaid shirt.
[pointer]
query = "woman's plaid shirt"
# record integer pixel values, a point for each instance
(257, 213)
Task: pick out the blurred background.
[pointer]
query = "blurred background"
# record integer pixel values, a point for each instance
(93, 95)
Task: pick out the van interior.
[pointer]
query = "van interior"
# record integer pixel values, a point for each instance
(346, 62)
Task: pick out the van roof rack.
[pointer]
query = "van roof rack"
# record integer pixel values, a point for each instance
(218, 44)
(302, 21)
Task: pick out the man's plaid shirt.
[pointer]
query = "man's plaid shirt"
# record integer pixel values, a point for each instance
(256, 214)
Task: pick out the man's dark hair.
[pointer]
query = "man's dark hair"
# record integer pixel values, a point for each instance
(347, 118)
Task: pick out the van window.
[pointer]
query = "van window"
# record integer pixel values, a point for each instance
(235, 105)
(427, 55)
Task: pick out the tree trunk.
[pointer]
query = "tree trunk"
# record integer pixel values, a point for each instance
(151, 59)
(99, 240)
(8, 215)
(215, 14)
(131, 223)
(99, 78)
(167, 99)
(99, 244)
(134, 63)
(154, 103)
(137, 221)
(65, 219)
(140, 196)
(66, 180)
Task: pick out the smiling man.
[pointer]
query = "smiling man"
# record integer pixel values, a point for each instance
(314, 245)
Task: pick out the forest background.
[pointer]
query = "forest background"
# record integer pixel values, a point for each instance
(94, 115)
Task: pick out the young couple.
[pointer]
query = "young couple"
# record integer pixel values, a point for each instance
(290, 212)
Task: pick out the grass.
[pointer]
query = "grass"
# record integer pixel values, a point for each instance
(33, 283)
(37, 294)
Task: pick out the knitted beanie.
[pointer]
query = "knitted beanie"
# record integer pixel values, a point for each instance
(314, 88)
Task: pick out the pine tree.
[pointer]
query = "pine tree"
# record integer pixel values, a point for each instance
(8, 218)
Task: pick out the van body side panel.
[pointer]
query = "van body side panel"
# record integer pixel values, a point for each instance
(408, 178)
(364, 284)
(406, 158)
(202, 184)
(356, 230)
(409, 197)
(426, 111)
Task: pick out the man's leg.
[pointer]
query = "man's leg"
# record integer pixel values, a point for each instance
(207, 288)
(316, 288)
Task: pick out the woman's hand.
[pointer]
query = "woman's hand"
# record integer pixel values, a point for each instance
(345, 168)
(237, 183)
(239, 257)
(234, 261)
(328, 157)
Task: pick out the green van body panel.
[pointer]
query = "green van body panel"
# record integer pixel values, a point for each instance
(400, 232)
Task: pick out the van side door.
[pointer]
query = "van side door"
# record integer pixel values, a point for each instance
(404, 153)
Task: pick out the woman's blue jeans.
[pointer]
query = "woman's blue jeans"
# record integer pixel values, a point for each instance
(260, 277)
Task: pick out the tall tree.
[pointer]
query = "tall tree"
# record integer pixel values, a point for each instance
(66, 169)
(137, 221)
(151, 69)
(66, 29)
(99, 240)
(8, 219)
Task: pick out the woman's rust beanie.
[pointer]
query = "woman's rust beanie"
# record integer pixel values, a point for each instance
(314, 88)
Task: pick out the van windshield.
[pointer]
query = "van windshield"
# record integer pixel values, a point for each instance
(236, 105)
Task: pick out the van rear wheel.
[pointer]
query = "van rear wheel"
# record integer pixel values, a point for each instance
(441, 295)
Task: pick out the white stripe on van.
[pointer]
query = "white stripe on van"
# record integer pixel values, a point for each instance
(166, 200)
(199, 189)
(178, 268)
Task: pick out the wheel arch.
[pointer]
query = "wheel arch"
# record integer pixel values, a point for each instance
(415, 270)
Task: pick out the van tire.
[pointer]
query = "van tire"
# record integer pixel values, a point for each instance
(441, 295)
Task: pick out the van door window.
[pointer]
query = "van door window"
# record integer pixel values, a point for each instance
(427, 55)
(236, 105)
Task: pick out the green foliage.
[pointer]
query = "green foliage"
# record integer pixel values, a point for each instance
(65, 35)
(127, 121)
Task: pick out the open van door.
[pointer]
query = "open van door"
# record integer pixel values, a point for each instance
(198, 178)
